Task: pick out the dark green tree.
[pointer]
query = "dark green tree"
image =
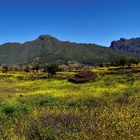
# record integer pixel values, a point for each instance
(4, 69)
(123, 61)
(52, 69)
(132, 61)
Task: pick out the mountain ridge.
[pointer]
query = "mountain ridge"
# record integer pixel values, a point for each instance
(127, 46)
(51, 50)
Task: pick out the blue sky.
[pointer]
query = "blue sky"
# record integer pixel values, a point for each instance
(87, 21)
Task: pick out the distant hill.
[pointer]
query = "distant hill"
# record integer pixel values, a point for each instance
(127, 46)
(50, 50)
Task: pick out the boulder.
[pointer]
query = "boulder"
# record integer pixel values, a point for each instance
(83, 77)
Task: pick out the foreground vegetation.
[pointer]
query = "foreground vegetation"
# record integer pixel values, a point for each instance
(55, 109)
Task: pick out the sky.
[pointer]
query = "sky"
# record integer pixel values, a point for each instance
(84, 21)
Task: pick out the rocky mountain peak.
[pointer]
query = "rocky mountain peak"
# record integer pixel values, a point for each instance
(46, 38)
(128, 46)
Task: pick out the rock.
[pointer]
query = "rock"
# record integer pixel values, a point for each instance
(127, 46)
(83, 77)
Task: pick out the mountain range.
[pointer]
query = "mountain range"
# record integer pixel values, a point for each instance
(51, 50)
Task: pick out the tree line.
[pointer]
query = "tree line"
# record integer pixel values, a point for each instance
(51, 69)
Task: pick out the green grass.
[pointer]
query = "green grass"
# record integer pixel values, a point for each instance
(54, 109)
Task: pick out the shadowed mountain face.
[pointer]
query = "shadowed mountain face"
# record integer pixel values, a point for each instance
(50, 50)
(128, 46)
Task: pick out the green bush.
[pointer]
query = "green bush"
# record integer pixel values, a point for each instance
(9, 109)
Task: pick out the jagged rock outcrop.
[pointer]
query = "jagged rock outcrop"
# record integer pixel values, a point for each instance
(127, 46)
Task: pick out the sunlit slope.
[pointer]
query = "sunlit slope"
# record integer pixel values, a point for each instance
(50, 49)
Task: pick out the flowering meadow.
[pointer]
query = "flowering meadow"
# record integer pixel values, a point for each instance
(55, 109)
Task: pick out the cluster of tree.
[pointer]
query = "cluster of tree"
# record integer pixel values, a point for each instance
(36, 65)
(126, 61)
(123, 61)
(51, 69)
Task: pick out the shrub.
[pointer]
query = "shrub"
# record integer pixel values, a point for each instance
(40, 100)
(124, 99)
(4, 69)
(9, 109)
(52, 69)
(38, 131)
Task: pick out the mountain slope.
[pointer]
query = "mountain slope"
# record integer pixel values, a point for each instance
(127, 46)
(50, 49)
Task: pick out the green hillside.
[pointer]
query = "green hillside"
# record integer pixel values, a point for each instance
(50, 49)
